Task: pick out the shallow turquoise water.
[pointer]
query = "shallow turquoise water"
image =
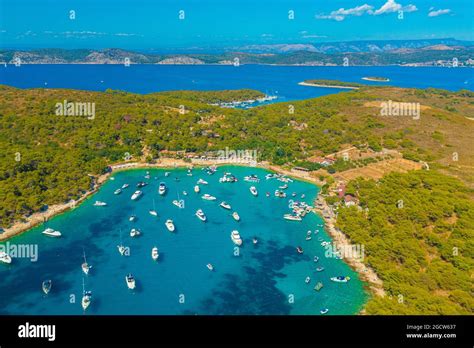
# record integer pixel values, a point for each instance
(262, 279)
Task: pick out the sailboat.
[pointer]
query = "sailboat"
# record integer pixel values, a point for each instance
(179, 202)
(86, 297)
(153, 211)
(85, 266)
(121, 248)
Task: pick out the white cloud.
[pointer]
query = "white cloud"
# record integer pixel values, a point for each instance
(438, 12)
(342, 13)
(390, 6)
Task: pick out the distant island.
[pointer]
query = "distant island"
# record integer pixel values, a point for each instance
(376, 79)
(332, 84)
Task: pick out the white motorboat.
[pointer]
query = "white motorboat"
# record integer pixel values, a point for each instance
(254, 241)
(46, 286)
(162, 188)
(137, 194)
(202, 182)
(130, 280)
(117, 191)
(236, 216)
(251, 178)
(99, 204)
(5, 258)
(124, 186)
(170, 225)
(132, 218)
(201, 216)
(253, 190)
(197, 189)
(210, 267)
(341, 279)
(208, 197)
(135, 232)
(85, 266)
(292, 217)
(185, 193)
(167, 174)
(155, 254)
(235, 236)
(307, 280)
(51, 233)
(316, 259)
(324, 311)
(225, 205)
(153, 211)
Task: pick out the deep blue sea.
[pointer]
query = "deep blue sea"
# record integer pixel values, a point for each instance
(264, 278)
(281, 81)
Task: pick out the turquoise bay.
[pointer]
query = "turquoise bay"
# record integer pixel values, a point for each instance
(263, 279)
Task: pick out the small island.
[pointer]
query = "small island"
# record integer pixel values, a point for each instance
(376, 79)
(331, 84)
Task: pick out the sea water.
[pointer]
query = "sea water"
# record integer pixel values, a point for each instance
(263, 278)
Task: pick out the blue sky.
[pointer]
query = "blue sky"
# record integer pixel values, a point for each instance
(155, 24)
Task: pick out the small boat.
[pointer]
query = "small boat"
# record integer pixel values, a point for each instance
(197, 189)
(117, 191)
(46, 286)
(303, 196)
(85, 266)
(210, 267)
(235, 236)
(316, 259)
(318, 286)
(253, 190)
(254, 241)
(124, 186)
(132, 218)
(137, 194)
(51, 233)
(135, 232)
(201, 216)
(225, 205)
(236, 216)
(308, 238)
(86, 297)
(292, 217)
(167, 174)
(5, 258)
(319, 269)
(208, 197)
(202, 182)
(147, 176)
(267, 194)
(170, 225)
(162, 188)
(324, 311)
(307, 280)
(121, 249)
(179, 203)
(155, 254)
(99, 204)
(341, 279)
(299, 250)
(251, 178)
(280, 194)
(153, 212)
(141, 184)
(190, 172)
(293, 194)
(283, 187)
(185, 193)
(130, 280)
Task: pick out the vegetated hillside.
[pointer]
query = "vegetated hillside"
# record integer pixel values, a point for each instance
(418, 232)
(57, 152)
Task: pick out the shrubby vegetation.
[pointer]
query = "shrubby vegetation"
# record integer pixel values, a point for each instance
(418, 235)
